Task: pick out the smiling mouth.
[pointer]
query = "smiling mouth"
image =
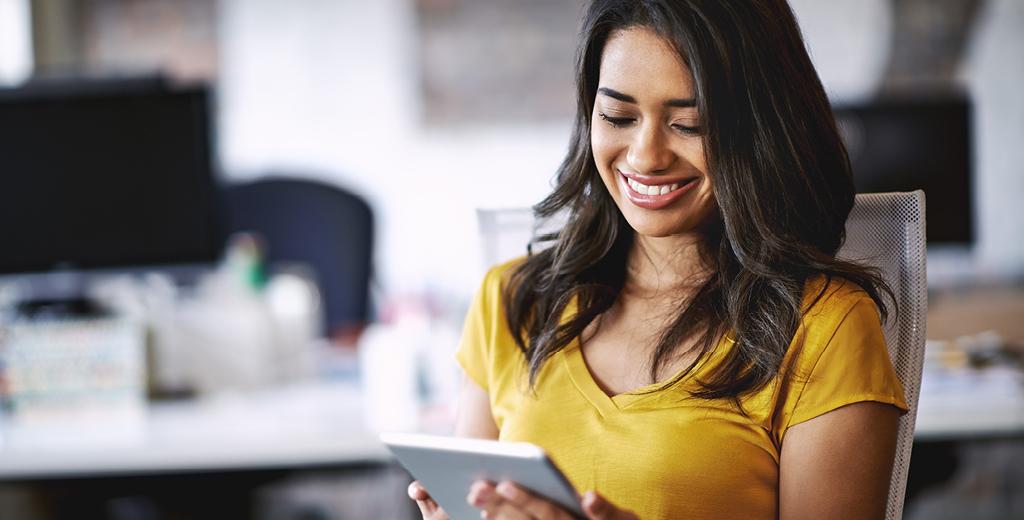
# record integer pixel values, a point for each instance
(655, 196)
(662, 189)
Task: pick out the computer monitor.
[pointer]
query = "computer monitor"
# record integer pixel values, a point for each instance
(106, 176)
(910, 144)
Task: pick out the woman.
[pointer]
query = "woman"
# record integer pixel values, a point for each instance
(690, 347)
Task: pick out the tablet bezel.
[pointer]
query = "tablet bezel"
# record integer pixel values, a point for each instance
(431, 459)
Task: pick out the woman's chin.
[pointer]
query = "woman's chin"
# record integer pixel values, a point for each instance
(658, 229)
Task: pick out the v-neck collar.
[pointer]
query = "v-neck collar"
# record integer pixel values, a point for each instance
(652, 394)
(583, 380)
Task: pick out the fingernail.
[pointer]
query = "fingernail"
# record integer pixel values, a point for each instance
(478, 496)
(508, 491)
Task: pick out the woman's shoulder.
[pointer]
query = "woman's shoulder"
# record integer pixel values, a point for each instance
(840, 313)
(486, 347)
(830, 298)
(498, 273)
(489, 297)
(496, 279)
(838, 356)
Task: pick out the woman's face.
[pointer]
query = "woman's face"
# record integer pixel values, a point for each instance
(645, 135)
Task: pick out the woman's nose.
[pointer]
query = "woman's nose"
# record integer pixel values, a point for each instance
(649, 152)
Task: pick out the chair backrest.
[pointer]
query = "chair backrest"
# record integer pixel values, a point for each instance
(885, 231)
(504, 233)
(323, 227)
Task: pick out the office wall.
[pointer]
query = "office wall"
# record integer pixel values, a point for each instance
(179, 35)
(15, 41)
(995, 75)
(849, 41)
(330, 87)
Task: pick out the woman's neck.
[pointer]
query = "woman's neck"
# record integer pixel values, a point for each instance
(665, 266)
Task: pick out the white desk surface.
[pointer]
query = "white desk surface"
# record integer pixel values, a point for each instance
(310, 425)
(970, 404)
(320, 424)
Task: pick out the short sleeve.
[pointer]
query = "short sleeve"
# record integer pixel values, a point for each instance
(473, 352)
(852, 366)
(486, 345)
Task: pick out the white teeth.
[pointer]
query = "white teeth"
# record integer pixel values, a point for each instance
(644, 189)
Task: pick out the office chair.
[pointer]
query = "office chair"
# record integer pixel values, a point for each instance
(322, 227)
(884, 230)
(887, 231)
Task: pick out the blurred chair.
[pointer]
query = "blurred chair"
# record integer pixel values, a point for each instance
(504, 233)
(887, 231)
(322, 227)
(884, 230)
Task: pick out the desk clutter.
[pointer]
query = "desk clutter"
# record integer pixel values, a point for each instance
(94, 366)
(972, 386)
(146, 337)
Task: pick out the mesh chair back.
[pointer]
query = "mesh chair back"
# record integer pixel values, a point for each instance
(884, 230)
(887, 231)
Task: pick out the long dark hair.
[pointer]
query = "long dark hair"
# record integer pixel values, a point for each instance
(781, 177)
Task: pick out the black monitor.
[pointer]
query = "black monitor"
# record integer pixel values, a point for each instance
(106, 177)
(911, 144)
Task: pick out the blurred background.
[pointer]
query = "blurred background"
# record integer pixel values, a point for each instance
(240, 235)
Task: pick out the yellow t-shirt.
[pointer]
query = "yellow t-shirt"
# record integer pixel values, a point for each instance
(654, 450)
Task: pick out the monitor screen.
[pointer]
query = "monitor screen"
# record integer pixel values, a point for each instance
(906, 145)
(105, 178)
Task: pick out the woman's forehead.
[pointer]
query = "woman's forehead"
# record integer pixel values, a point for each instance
(641, 63)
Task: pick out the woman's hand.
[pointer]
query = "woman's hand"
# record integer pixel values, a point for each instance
(509, 501)
(428, 508)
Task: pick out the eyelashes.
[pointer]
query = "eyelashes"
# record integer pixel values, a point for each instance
(687, 130)
(616, 122)
(621, 122)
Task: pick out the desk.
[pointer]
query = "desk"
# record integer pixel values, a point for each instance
(320, 424)
(228, 446)
(970, 404)
(970, 310)
(967, 445)
(306, 425)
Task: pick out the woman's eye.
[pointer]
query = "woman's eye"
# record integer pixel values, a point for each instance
(616, 122)
(687, 130)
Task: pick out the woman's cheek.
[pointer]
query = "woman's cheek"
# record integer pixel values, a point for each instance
(604, 148)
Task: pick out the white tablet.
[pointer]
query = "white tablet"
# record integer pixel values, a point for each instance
(448, 466)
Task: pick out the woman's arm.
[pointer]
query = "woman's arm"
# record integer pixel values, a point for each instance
(473, 416)
(838, 465)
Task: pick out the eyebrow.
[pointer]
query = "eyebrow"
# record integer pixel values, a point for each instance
(626, 98)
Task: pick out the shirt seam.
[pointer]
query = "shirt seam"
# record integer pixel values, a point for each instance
(817, 359)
